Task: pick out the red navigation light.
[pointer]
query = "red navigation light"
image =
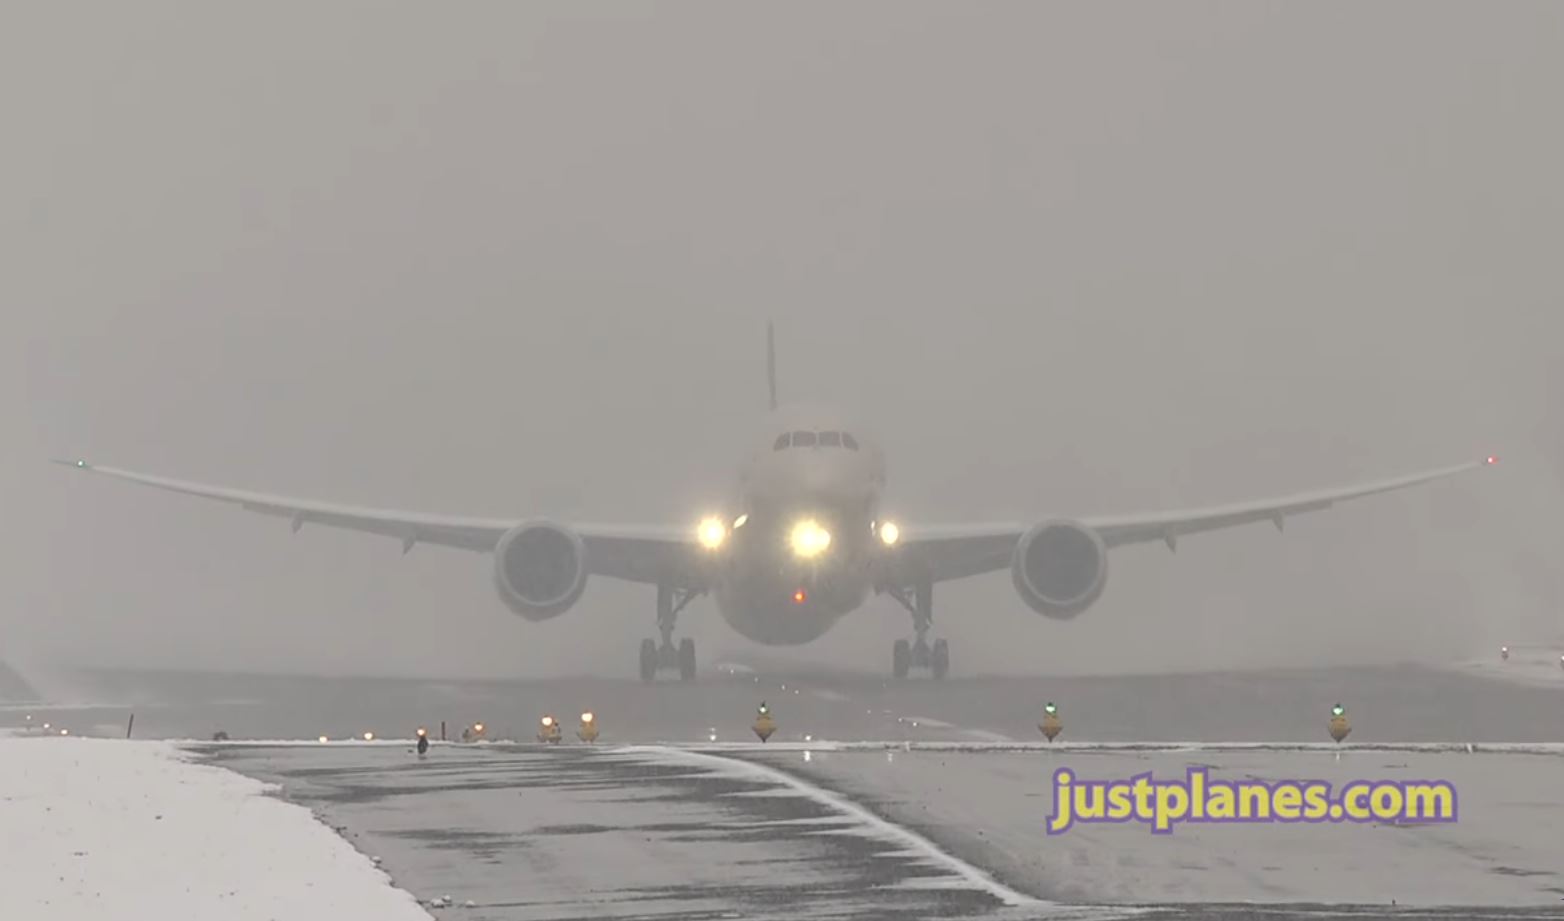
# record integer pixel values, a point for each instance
(1492, 459)
(799, 597)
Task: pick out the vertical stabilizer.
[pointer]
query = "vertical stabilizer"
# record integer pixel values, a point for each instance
(771, 363)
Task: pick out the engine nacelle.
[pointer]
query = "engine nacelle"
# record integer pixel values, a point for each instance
(1060, 568)
(540, 569)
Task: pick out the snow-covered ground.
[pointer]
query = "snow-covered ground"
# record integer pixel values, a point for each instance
(108, 829)
(1531, 665)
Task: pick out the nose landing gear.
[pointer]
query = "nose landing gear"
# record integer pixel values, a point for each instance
(657, 656)
(919, 653)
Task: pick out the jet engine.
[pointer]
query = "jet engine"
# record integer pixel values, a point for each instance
(540, 569)
(1060, 568)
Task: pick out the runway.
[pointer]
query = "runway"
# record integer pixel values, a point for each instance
(1407, 703)
(878, 799)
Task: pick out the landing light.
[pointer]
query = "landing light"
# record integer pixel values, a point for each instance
(799, 597)
(739, 521)
(711, 533)
(889, 533)
(809, 539)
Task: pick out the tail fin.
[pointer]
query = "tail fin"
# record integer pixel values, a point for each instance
(771, 363)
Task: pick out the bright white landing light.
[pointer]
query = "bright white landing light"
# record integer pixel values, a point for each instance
(809, 539)
(711, 532)
(889, 533)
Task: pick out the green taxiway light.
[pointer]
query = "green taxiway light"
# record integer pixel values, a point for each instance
(1050, 708)
(1338, 710)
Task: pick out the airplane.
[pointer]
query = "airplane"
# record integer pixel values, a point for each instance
(805, 544)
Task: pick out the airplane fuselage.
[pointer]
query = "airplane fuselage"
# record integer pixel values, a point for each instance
(813, 472)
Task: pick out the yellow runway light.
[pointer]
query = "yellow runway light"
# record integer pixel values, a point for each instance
(1051, 725)
(1339, 725)
(764, 725)
(587, 732)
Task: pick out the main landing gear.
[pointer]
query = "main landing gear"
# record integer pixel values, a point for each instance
(919, 653)
(656, 656)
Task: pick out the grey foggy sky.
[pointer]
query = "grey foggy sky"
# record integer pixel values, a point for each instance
(510, 259)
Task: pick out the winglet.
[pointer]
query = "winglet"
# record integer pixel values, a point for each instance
(771, 363)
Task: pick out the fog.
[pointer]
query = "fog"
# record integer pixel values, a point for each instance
(506, 259)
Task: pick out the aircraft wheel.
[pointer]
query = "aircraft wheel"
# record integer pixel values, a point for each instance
(940, 661)
(648, 660)
(686, 659)
(901, 659)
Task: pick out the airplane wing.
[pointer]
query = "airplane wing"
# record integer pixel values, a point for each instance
(636, 554)
(956, 551)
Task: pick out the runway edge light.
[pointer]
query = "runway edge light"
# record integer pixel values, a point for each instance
(587, 732)
(764, 724)
(1051, 725)
(1339, 725)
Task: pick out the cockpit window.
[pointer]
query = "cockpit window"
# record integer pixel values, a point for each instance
(803, 439)
(781, 442)
(830, 439)
(849, 441)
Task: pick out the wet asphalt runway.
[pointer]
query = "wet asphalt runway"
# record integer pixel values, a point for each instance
(565, 833)
(528, 832)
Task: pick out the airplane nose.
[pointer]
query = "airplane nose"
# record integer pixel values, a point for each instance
(829, 482)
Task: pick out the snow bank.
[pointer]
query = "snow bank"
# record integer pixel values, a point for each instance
(106, 829)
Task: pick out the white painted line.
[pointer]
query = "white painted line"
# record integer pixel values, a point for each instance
(1479, 748)
(912, 843)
